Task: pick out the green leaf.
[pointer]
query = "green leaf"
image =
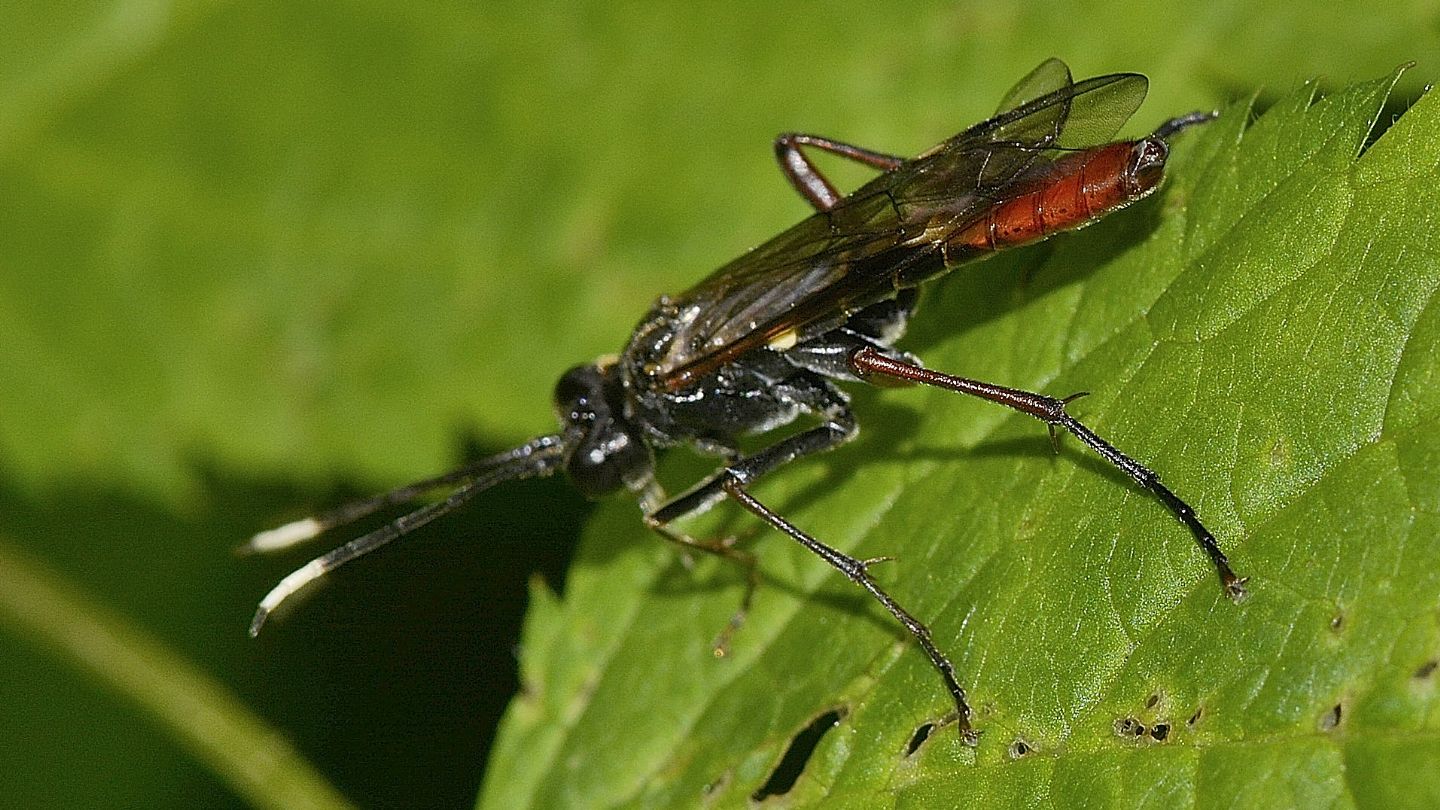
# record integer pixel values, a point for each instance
(1264, 334)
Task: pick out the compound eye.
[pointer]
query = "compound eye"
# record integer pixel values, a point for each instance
(1147, 163)
(578, 393)
(1149, 153)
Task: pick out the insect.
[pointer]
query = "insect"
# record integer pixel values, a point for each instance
(765, 339)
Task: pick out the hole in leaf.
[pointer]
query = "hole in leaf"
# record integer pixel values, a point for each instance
(918, 738)
(1152, 700)
(1331, 719)
(797, 756)
(1019, 748)
(1195, 718)
(1427, 669)
(1129, 727)
(1160, 731)
(1338, 622)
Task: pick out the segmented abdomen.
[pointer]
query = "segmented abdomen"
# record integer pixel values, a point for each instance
(1075, 190)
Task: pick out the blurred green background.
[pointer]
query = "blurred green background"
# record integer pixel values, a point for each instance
(255, 257)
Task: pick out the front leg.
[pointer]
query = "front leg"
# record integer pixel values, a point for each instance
(723, 548)
(868, 363)
(732, 482)
(838, 427)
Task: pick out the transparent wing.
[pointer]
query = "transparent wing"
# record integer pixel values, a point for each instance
(808, 279)
(749, 293)
(1059, 115)
(1052, 111)
(1046, 78)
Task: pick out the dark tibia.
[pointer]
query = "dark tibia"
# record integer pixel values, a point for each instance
(731, 482)
(858, 571)
(870, 363)
(837, 429)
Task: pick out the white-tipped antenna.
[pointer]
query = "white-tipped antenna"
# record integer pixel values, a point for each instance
(298, 532)
(294, 581)
(538, 457)
(282, 537)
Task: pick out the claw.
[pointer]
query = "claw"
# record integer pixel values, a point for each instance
(969, 736)
(1236, 589)
(721, 647)
(866, 563)
(1054, 437)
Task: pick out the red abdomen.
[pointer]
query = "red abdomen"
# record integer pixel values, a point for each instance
(1074, 191)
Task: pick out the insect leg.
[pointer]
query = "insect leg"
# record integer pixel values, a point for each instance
(808, 180)
(731, 482)
(838, 428)
(858, 571)
(724, 549)
(870, 363)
